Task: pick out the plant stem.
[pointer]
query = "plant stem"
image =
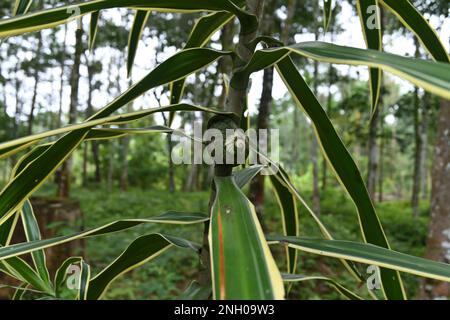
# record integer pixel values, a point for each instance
(237, 103)
(237, 97)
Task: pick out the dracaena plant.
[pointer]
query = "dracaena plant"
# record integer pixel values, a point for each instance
(235, 252)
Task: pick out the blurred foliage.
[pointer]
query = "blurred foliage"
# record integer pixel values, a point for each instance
(168, 275)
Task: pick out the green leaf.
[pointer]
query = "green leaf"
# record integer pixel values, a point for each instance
(140, 20)
(56, 16)
(4, 270)
(111, 133)
(21, 7)
(430, 75)
(20, 188)
(244, 176)
(371, 27)
(141, 250)
(327, 10)
(7, 229)
(289, 213)
(260, 60)
(63, 272)
(369, 254)
(29, 157)
(237, 243)
(20, 270)
(106, 133)
(169, 217)
(79, 272)
(9, 151)
(32, 233)
(344, 167)
(337, 286)
(205, 27)
(283, 179)
(111, 120)
(84, 281)
(93, 28)
(414, 21)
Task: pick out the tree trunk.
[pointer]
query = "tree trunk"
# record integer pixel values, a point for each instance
(84, 179)
(314, 143)
(190, 184)
(296, 130)
(110, 176)
(424, 145)
(36, 66)
(96, 156)
(396, 174)
(417, 175)
(3, 86)
(315, 166)
(17, 112)
(124, 147)
(64, 183)
(124, 155)
(439, 227)
(171, 169)
(123, 144)
(329, 100)
(225, 64)
(192, 180)
(61, 80)
(89, 112)
(285, 32)
(417, 157)
(18, 103)
(256, 194)
(207, 172)
(94, 144)
(381, 157)
(372, 166)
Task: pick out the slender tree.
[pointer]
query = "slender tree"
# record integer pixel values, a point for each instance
(439, 229)
(36, 72)
(64, 179)
(424, 124)
(256, 194)
(314, 144)
(62, 65)
(417, 174)
(381, 157)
